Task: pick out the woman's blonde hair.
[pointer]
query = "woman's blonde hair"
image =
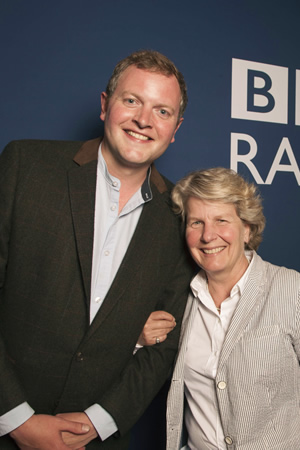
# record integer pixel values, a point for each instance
(226, 186)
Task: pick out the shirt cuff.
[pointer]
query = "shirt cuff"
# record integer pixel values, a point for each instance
(14, 418)
(102, 421)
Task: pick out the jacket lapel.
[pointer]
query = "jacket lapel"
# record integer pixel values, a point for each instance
(252, 296)
(82, 186)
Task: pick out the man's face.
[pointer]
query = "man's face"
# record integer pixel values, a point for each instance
(140, 118)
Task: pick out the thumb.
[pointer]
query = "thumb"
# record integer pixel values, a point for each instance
(74, 427)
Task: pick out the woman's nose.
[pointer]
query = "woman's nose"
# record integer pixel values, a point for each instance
(208, 233)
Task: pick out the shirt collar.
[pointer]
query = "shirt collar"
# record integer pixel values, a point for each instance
(199, 282)
(115, 182)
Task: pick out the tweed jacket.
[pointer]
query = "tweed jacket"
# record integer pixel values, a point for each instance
(258, 377)
(49, 354)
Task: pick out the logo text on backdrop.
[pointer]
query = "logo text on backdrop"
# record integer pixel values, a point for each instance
(260, 93)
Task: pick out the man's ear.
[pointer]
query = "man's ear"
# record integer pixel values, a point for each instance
(176, 129)
(104, 103)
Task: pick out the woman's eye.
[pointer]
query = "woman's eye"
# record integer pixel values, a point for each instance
(196, 224)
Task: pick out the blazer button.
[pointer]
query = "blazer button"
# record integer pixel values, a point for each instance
(79, 357)
(222, 385)
(228, 440)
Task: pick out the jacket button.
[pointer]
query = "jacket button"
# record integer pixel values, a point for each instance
(222, 385)
(228, 440)
(79, 357)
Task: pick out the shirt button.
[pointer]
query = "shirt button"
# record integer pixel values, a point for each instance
(106, 253)
(98, 299)
(222, 385)
(113, 207)
(115, 184)
(228, 440)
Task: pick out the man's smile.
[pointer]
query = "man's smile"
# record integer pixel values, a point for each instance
(138, 136)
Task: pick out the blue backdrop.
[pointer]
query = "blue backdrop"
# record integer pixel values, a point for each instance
(240, 60)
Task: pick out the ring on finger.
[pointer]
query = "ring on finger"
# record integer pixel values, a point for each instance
(157, 340)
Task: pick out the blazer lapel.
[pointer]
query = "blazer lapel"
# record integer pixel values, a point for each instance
(187, 322)
(82, 187)
(252, 296)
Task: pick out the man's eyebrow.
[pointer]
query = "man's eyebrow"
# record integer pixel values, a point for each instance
(138, 96)
(129, 93)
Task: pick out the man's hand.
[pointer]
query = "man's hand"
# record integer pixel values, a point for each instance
(43, 432)
(75, 440)
(158, 325)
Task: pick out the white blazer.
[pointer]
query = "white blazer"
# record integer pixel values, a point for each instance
(258, 377)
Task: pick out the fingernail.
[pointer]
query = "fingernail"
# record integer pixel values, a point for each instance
(85, 428)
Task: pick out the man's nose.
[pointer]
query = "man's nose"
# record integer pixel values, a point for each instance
(143, 117)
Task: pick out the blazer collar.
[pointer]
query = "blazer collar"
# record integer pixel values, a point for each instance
(89, 152)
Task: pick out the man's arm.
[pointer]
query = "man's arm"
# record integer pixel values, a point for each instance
(159, 324)
(11, 392)
(149, 368)
(29, 431)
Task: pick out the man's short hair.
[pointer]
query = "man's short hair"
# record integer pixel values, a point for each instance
(152, 61)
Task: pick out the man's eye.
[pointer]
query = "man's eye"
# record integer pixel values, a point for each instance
(131, 101)
(163, 112)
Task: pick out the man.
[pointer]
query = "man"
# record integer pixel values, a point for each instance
(89, 246)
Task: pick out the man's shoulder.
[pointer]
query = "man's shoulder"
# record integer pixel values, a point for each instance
(161, 183)
(38, 145)
(168, 182)
(40, 153)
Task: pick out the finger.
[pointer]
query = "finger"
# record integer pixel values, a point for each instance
(157, 332)
(161, 315)
(159, 325)
(160, 339)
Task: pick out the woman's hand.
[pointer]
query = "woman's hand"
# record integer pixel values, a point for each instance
(157, 327)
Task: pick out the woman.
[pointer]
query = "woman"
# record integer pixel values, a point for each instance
(236, 380)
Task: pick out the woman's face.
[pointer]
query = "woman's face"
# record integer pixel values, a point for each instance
(215, 236)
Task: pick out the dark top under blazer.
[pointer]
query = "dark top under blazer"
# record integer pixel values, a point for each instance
(49, 354)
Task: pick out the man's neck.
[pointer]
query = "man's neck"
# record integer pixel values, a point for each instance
(131, 178)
